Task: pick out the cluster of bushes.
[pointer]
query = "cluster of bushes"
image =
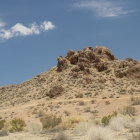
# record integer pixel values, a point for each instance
(104, 128)
(14, 125)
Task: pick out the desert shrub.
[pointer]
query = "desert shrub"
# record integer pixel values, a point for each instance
(83, 127)
(97, 121)
(135, 101)
(70, 122)
(129, 110)
(99, 133)
(50, 121)
(106, 119)
(61, 136)
(107, 102)
(79, 95)
(93, 101)
(15, 125)
(34, 128)
(55, 91)
(67, 113)
(87, 109)
(3, 133)
(117, 123)
(2, 124)
(40, 113)
(135, 126)
(135, 136)
(81, 103)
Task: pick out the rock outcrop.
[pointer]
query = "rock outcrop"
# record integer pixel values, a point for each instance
(104, 53)
(134, 72)
(100, 58)
(62, 64)
(86, 59)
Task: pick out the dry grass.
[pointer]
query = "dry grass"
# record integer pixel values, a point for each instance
(71, 122)
(100, 133)
(34, 128)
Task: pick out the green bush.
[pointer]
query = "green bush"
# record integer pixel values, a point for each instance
(50, 121)
(106, 119)
(15, 125)
(2, 124)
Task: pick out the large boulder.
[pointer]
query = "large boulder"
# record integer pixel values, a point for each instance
(62, 64)
(70, 53)
(55, 91)
(73, 58)
(101, 66)
(131, 60)
(134, 72)
(104, 53)
(87, 56)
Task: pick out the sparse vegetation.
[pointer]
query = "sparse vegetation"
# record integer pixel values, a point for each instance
(62, 136)
(34, 128)
(130, 110)
(135, 100)
(93, 101)
(100, 133)
(81, 103)
(107, 102)
(106, 119)
(70, 122)
(79, 95)
(15, 125)
(2, 124)
(50, 121)
(135, 136)
(117, 123)
(3, 133)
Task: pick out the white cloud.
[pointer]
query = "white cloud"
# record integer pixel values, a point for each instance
(103, 8)
(47, 26)
(2, 24)
(21, 30)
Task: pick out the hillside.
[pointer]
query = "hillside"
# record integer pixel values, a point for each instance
(89, 72)
(84, 74)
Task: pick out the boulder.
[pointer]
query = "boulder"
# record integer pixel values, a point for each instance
(73, 58)
(101, 66)
(131, 60)
(134, 72)
(88, 49)
(104, 53)
(55, 91)
(70, 53)
(62, 64)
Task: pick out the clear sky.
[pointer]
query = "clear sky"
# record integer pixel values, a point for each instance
(33, 33)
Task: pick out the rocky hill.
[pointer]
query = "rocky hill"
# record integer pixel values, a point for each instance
(89, 73)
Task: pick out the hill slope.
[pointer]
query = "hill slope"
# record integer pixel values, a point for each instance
(80, 76)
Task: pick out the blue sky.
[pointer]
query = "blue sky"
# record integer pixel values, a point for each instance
(33, 33)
